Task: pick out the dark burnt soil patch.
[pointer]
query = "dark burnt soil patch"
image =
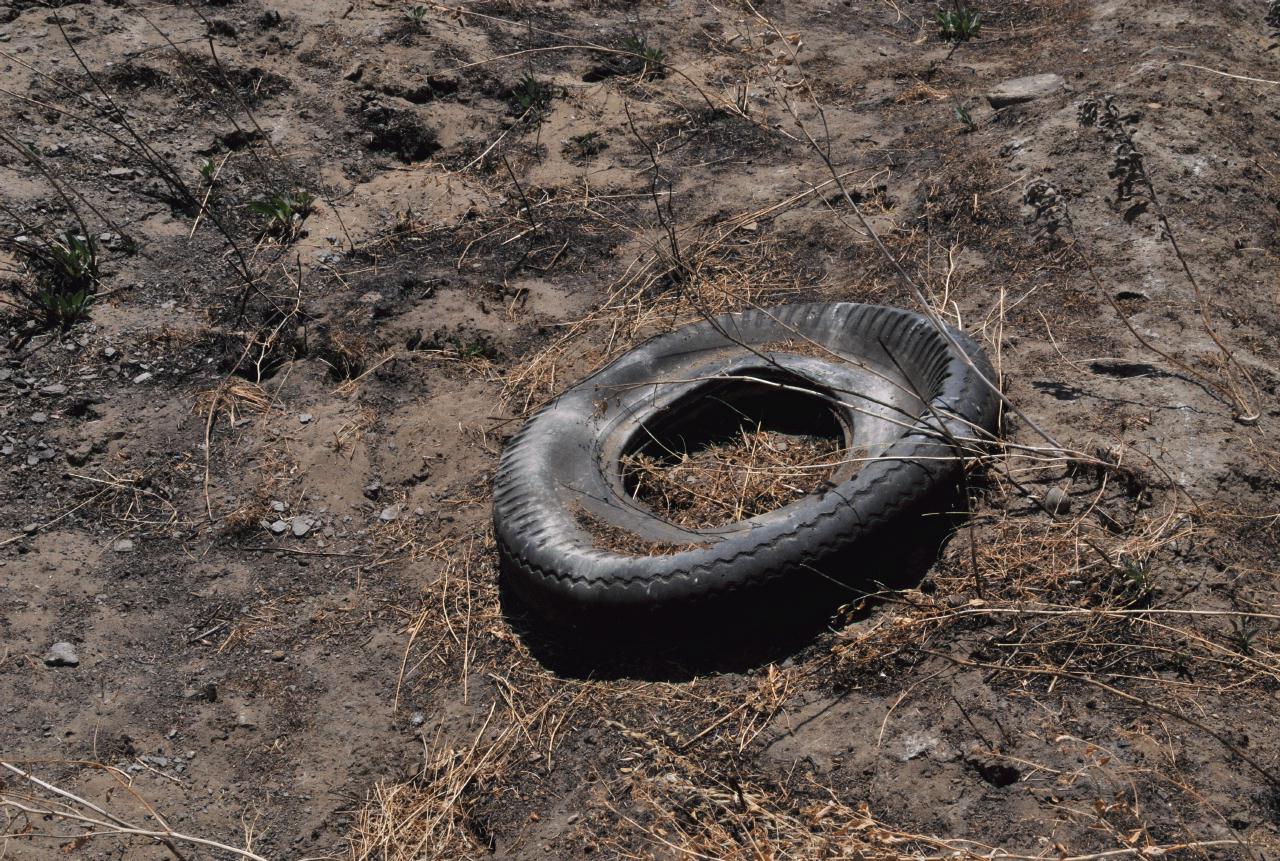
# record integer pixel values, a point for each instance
(398, 131)
(198, 78)
(419, 93)
(720, 139)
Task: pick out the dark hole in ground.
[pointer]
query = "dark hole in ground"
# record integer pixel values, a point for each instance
(1126, 370)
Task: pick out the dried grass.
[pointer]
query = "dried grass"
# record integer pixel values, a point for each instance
(752, 473)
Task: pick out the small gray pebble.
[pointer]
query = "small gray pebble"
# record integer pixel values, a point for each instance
(301, 526)
(124, 545)
(1057, 500)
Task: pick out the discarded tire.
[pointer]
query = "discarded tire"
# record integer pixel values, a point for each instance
(896, 388)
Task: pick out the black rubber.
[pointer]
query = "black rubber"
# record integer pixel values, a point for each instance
(895, 385)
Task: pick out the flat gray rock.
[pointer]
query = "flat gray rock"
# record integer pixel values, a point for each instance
(61, 655)
(1027, 89)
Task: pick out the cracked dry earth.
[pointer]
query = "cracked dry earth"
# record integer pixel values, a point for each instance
(255, 518)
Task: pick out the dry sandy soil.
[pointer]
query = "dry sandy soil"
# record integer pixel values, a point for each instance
(251, 488)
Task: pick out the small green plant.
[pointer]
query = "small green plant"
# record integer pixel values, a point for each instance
(284, 212)
(586, 144)
(652, 58)
(1243, 636)
(65, 273)
(208, 171)
(470, 349)
(1136, 580)
(417, 16)
(532, 96)
(1180, 664)
(959, 24)
(965, 118)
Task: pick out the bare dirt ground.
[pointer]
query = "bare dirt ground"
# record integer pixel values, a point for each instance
(251, 488)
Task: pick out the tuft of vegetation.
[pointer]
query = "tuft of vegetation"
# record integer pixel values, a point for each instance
(965, 118)
(474, 348)
(653, 59)
(64, 272)
(417, 17)
(532, 96)
(284, 212)
(1137, 581)
(208, 171)
(959, 24)
(586, 145)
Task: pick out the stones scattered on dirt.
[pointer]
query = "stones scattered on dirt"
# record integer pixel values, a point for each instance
(1057, 501)
(42, 452)
(54, 390)
(124, 545)
(207, 691)
(300, 526)
(279, 527)
(143, 377)
(305, 418)
(390, 513)
(61, 654)
(1030, 88)
(80, 455)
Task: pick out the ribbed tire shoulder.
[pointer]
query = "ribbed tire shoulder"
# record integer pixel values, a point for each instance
(556, 467)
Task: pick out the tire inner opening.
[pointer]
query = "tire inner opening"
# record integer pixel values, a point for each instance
(736, 448)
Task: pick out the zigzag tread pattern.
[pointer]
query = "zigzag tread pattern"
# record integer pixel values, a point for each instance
(514, 494)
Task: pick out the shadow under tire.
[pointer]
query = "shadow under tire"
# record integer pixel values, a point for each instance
(895, 386)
